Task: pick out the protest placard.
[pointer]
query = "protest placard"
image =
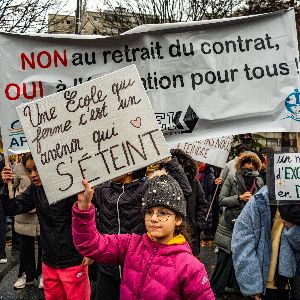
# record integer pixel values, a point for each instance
(95, 131)
(287, 175)
(204, 79)
(211, 151)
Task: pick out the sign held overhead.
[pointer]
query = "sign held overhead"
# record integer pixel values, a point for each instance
(96, 131)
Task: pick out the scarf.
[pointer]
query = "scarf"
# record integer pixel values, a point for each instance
(249, 177)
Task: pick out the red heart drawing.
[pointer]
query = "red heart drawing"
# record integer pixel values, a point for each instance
(136, 123)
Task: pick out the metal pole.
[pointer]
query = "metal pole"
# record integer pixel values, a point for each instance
(78, 17)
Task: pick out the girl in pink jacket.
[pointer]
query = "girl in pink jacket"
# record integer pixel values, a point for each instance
(157, 265)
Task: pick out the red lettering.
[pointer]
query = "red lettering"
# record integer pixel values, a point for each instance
(13, 91)
(44, 59)
(40, 60)
(63, 60)
(41, 89)
(25, 59)
(8, 91)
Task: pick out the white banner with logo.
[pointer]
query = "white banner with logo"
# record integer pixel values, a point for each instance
(97, 131)
(204, 79)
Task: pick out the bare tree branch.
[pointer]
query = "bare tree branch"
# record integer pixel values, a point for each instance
(28, 15)
(127, 14)
(253, 7)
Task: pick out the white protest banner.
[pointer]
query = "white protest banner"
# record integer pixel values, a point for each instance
(204, 79)
(287, 175)
(211, 151)
(98, 131)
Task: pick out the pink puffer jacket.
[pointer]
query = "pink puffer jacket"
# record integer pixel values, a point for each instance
(150, 270)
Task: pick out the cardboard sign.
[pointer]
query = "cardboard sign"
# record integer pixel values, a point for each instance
(211, 151)
(287, 176)
(98, 130)
(204, 79)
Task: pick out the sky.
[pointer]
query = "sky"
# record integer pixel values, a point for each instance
(71, 5)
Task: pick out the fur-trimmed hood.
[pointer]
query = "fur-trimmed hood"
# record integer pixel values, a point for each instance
(252, 156)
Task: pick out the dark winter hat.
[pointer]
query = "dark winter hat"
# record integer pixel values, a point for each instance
(165, 191)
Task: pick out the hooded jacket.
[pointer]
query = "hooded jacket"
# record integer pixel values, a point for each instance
(251, 244)
(150, 270)
(233, 187)
(119, 206)
(58, 250)
(289, 254)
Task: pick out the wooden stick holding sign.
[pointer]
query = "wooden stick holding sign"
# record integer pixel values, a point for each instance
(214, 196)
(97, 131)
(212, 151)
(9, 183)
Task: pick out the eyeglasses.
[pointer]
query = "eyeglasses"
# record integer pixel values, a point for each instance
(162, 215)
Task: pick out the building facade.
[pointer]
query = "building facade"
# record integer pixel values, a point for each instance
(105, 22)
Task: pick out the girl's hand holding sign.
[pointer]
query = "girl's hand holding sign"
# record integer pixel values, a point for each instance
(85, 198)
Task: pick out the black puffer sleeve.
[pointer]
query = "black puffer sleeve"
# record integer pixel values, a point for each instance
(176, 171)
(20, 204)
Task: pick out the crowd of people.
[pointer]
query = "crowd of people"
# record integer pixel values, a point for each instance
(139, 236)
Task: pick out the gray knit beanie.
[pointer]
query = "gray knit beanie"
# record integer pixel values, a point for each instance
(165, 191)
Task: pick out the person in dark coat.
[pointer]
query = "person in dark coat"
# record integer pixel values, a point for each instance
(61, 260)
(119, 204)
(235, 193)
(196, 202)
(206, 177)
(290, 213)
(27, 227)
(3, 258)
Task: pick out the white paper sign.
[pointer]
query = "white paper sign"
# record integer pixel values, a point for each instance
(287, 176)
(98, 130)
(211, 151)
(204, 79)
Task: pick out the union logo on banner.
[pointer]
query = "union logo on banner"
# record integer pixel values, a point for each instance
(292, 105)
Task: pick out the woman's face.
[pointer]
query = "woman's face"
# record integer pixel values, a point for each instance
(160, 223)
(32, 172)
(249, 166)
